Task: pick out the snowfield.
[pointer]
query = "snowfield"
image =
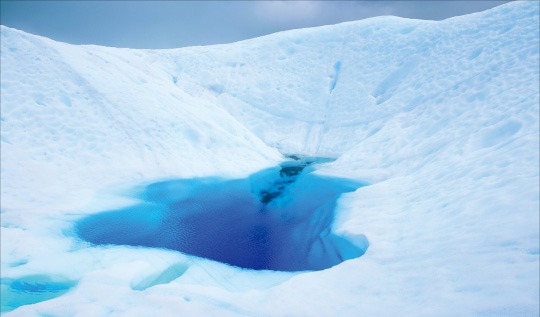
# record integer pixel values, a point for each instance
(441, 119)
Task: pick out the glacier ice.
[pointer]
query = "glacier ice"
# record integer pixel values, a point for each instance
(440, 118)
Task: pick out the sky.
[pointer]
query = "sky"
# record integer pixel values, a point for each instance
(170, 24)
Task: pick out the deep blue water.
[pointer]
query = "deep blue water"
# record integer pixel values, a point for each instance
(276, 219)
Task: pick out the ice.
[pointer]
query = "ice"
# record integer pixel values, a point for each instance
(440, 119)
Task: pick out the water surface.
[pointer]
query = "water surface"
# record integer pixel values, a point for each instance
(276, 219)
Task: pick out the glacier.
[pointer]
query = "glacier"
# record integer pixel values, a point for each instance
(439, 119)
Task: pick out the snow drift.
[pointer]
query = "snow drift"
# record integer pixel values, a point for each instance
(440, 118)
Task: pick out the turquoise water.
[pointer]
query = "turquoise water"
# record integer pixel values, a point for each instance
(16, 292)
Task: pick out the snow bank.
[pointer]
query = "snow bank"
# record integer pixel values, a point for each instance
(441, 118)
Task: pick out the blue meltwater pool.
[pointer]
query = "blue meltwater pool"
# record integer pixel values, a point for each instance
(276, 219)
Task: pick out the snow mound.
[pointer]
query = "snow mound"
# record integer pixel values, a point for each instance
(440, 118)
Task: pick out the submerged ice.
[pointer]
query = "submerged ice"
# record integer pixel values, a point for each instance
(276, 219)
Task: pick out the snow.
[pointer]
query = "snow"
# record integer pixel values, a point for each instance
(441, 119)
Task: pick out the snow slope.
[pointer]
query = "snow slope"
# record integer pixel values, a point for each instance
(441, 118)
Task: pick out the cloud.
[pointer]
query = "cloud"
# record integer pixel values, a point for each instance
(287, 11)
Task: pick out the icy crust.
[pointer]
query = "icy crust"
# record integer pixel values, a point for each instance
(440, 117)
